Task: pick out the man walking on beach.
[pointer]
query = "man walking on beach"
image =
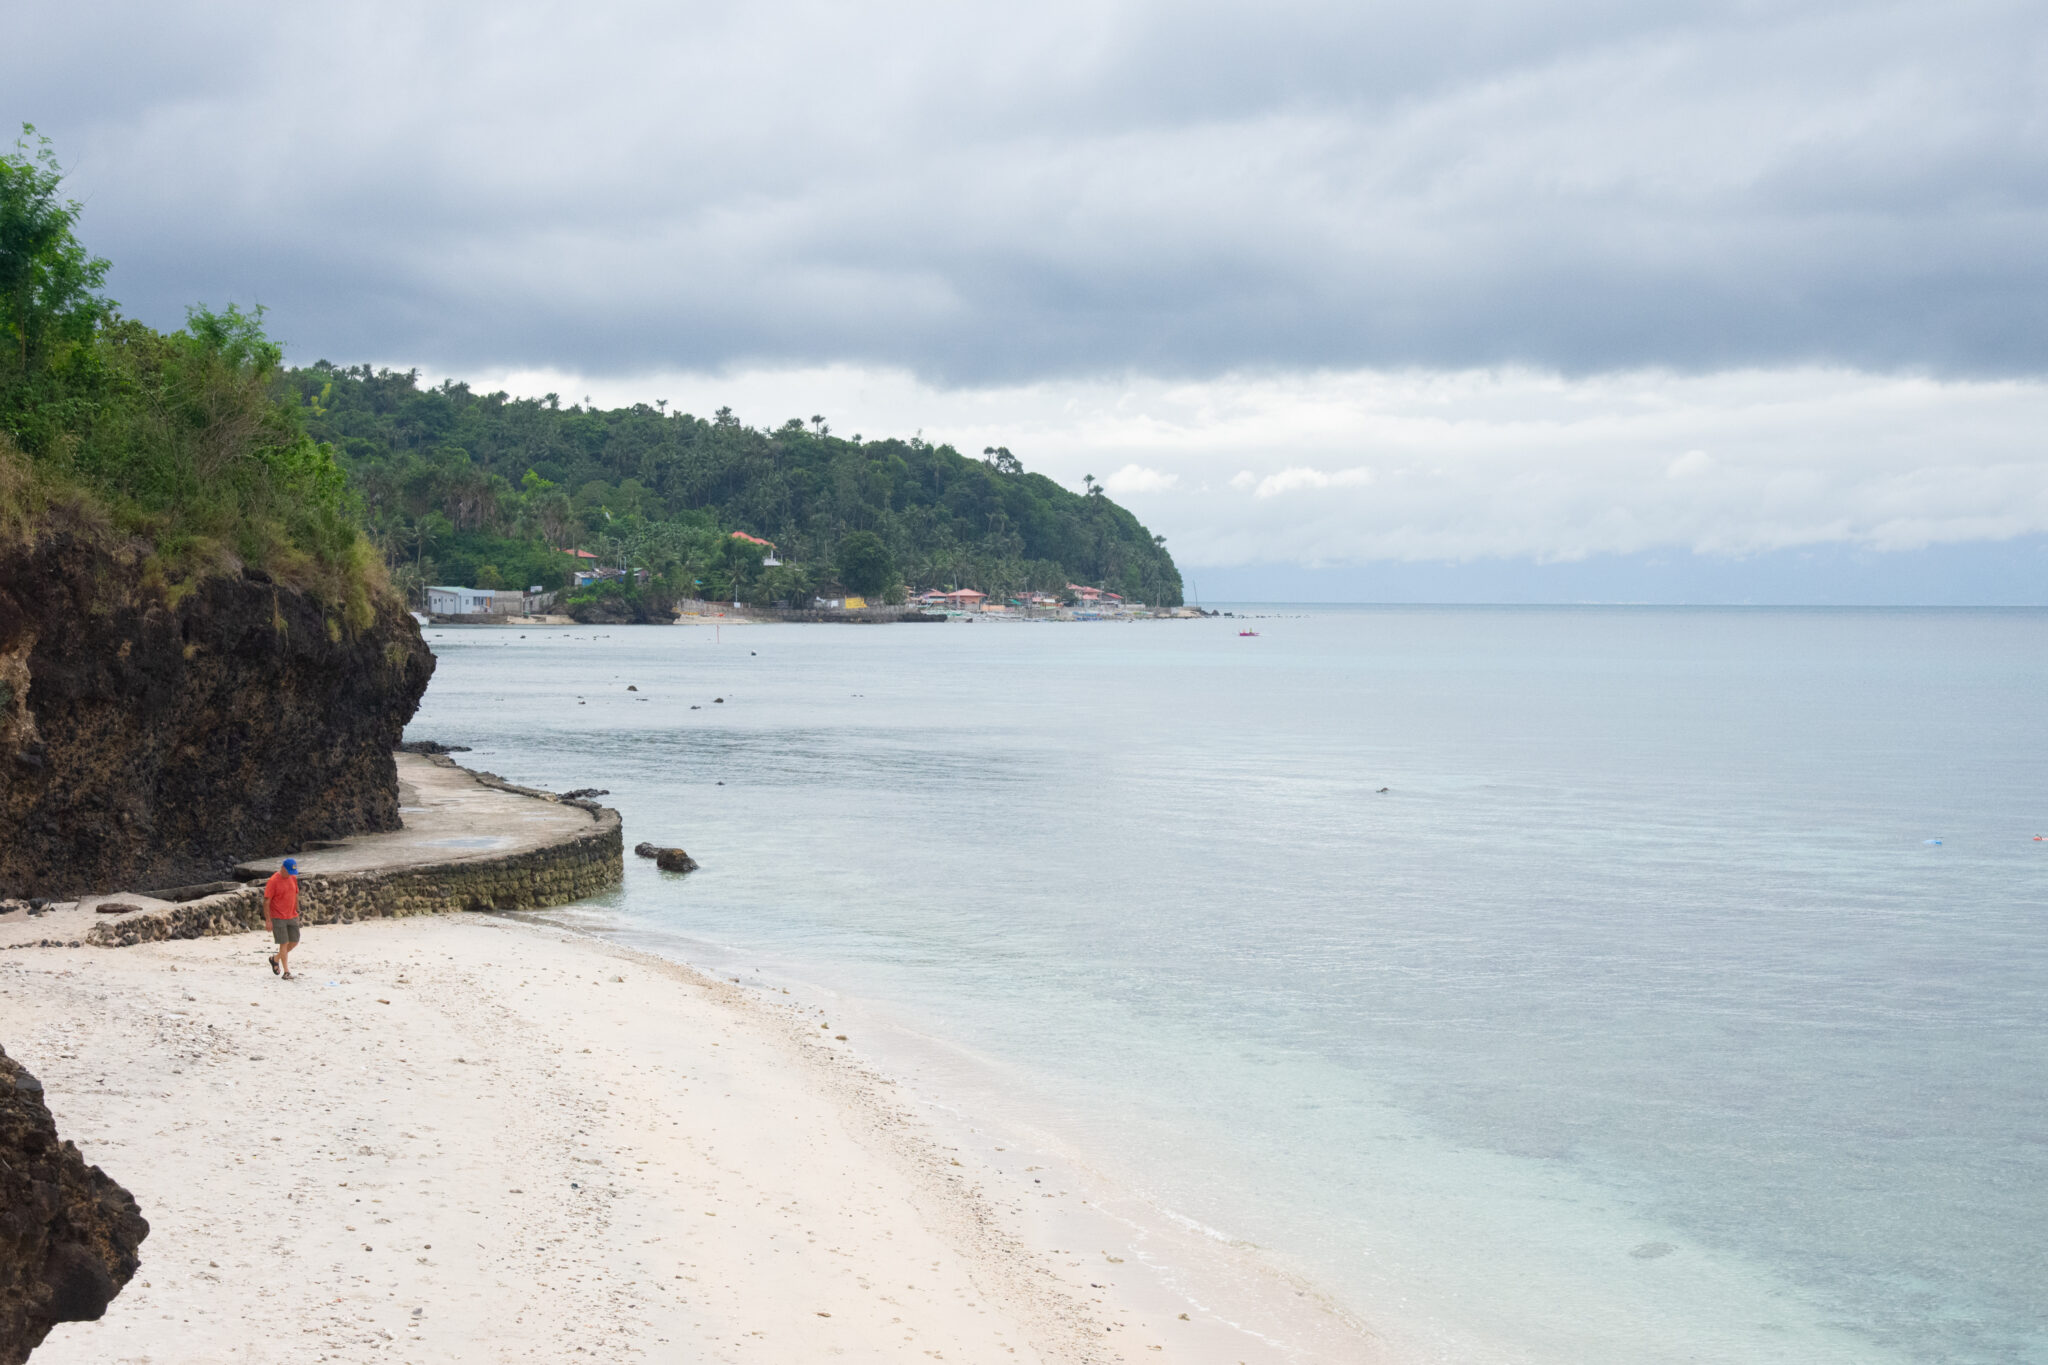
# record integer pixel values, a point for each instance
(281, 904)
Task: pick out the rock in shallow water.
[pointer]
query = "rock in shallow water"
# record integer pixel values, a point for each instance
(667, 859)
(68, 1233)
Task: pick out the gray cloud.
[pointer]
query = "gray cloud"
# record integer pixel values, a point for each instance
(1070, 189)
(1335, 469)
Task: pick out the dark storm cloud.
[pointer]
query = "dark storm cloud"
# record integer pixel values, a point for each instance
(1002, 194)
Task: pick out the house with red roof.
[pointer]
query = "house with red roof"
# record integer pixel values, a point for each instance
(768, 559)
(960, 599)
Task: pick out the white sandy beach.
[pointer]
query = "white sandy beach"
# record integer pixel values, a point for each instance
(476, 1139)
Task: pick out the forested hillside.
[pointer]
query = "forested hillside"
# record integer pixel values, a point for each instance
(484, 490)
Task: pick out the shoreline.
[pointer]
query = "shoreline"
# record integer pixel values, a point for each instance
(1247, 1302)
(580, 1148)
(746, 616)
(444, 1079)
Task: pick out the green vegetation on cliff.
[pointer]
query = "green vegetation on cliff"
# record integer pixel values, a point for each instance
(176, 443)
(200, 657)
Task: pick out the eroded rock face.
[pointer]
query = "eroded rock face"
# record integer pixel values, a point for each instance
(68, 1233)
(143, 743)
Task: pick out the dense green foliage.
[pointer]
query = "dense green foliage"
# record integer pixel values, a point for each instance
(461, 487)
(49, 286)
(175, 442)
(865, 564)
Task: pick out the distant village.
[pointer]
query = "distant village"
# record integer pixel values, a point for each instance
(535, 605)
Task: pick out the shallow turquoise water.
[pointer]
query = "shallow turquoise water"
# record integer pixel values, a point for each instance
(1644, 947)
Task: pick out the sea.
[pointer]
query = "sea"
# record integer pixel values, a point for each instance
(1560, 985)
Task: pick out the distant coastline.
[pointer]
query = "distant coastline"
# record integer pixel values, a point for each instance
(699, 614)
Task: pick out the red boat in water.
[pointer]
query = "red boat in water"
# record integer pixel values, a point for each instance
(1241, 634)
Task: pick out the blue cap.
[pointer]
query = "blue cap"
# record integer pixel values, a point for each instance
(291, 865)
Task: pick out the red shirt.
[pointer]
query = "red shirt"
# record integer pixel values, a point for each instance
(281, 895)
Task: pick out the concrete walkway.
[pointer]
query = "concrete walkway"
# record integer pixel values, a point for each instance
(451, 816)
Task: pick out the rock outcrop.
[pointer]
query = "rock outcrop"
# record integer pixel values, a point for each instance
(667, 859)
(68, 1233)
(154, 737)
(639, 607)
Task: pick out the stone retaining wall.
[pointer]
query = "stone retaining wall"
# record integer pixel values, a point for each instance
(532, 880)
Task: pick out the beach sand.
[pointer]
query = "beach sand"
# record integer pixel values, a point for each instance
(473, 1138)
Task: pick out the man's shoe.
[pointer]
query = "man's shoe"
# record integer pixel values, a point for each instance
(274, 968)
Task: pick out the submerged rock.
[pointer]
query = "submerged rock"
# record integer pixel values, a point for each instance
(667, 859)
(68, 1233)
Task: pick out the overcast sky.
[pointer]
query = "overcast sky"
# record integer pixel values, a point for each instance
(1309, 284)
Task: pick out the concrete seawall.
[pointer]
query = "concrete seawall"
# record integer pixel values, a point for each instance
(471, 841)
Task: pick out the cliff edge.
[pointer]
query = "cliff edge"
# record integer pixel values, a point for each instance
(155, 737)
(68, 1233)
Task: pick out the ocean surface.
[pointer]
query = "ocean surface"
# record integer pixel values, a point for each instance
(1552, 985)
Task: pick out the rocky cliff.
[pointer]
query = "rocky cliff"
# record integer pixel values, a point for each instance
(152, 736)
(68, 1234)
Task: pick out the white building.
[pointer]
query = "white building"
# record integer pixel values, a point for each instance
(476, 601)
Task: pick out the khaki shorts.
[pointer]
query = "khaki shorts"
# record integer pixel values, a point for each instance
(284, 930)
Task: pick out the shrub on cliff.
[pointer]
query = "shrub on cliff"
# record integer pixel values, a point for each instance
(175, 442)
